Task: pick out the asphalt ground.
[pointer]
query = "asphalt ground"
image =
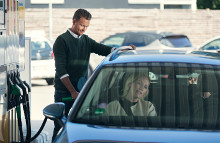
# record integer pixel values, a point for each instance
(41, 96)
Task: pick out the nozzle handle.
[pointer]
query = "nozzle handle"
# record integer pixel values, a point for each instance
(67, 99)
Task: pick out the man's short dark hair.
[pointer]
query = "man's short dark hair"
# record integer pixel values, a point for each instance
(82, 13)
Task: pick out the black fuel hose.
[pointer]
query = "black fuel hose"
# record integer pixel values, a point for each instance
(37, 134)
(16, 92)
(24, 101)
(18, 109)
(28, 123)
(39, 131)
(26, 110)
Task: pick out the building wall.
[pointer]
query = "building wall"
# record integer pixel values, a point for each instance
(198, 25)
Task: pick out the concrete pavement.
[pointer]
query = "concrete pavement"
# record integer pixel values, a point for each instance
(41, 96)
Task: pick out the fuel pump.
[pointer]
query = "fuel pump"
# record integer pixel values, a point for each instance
(18, 94)
(25, 101)
(15, 93)
(14, 67)
(19, 90)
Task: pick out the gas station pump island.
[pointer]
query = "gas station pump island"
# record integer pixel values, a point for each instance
(14, 73)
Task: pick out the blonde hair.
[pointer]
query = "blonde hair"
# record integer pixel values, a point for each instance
(130, 78)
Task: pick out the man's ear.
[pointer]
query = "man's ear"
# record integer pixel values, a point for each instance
(74, 21)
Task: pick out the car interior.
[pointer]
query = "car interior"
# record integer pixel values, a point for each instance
(178, 103)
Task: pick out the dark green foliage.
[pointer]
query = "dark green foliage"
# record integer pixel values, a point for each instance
(211, 4)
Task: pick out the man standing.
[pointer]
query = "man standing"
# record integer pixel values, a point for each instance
(72, 52)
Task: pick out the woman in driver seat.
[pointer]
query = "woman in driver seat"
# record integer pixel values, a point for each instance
(132, 103)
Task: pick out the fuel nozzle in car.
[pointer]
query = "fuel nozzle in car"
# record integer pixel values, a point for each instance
(66, 99)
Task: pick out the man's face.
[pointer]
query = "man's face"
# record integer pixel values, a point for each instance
(79, 27)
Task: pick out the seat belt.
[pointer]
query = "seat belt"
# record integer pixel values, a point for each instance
(127, 109)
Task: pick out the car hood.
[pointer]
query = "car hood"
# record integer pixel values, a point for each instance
(90, 133)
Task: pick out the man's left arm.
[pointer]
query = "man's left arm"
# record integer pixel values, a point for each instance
(102, 49)
(99, 48)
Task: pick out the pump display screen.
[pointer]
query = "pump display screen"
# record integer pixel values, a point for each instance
(2, 15)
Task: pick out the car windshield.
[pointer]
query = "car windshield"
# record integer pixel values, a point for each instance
(114, 41)
(139, 40)
(213, 45)
(176, 95)
(125, 39)
(176, 41)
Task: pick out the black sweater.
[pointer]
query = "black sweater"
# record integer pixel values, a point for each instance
(72, 57)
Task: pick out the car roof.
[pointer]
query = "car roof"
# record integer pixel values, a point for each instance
(137, 56)
(155, 33)
(41, 39)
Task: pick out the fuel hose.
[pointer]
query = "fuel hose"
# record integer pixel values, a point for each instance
(36, 135)
(24, 100)
(16, 92)
(26, 109)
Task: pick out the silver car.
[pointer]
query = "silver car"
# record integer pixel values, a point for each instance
(42, 62)
(212, 45)
(144, 40)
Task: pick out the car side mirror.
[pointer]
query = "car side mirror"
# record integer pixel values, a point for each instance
(55, 111)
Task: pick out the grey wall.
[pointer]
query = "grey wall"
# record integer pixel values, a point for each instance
(199, 26)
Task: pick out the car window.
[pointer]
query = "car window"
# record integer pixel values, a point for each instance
(114, 41)
(136, 39)
(150, 38)
(40, 50)
(39, 45)
(174, 99)
(176, 41)
(213, 45)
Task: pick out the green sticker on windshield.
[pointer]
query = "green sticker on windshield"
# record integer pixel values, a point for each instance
(99, 111)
